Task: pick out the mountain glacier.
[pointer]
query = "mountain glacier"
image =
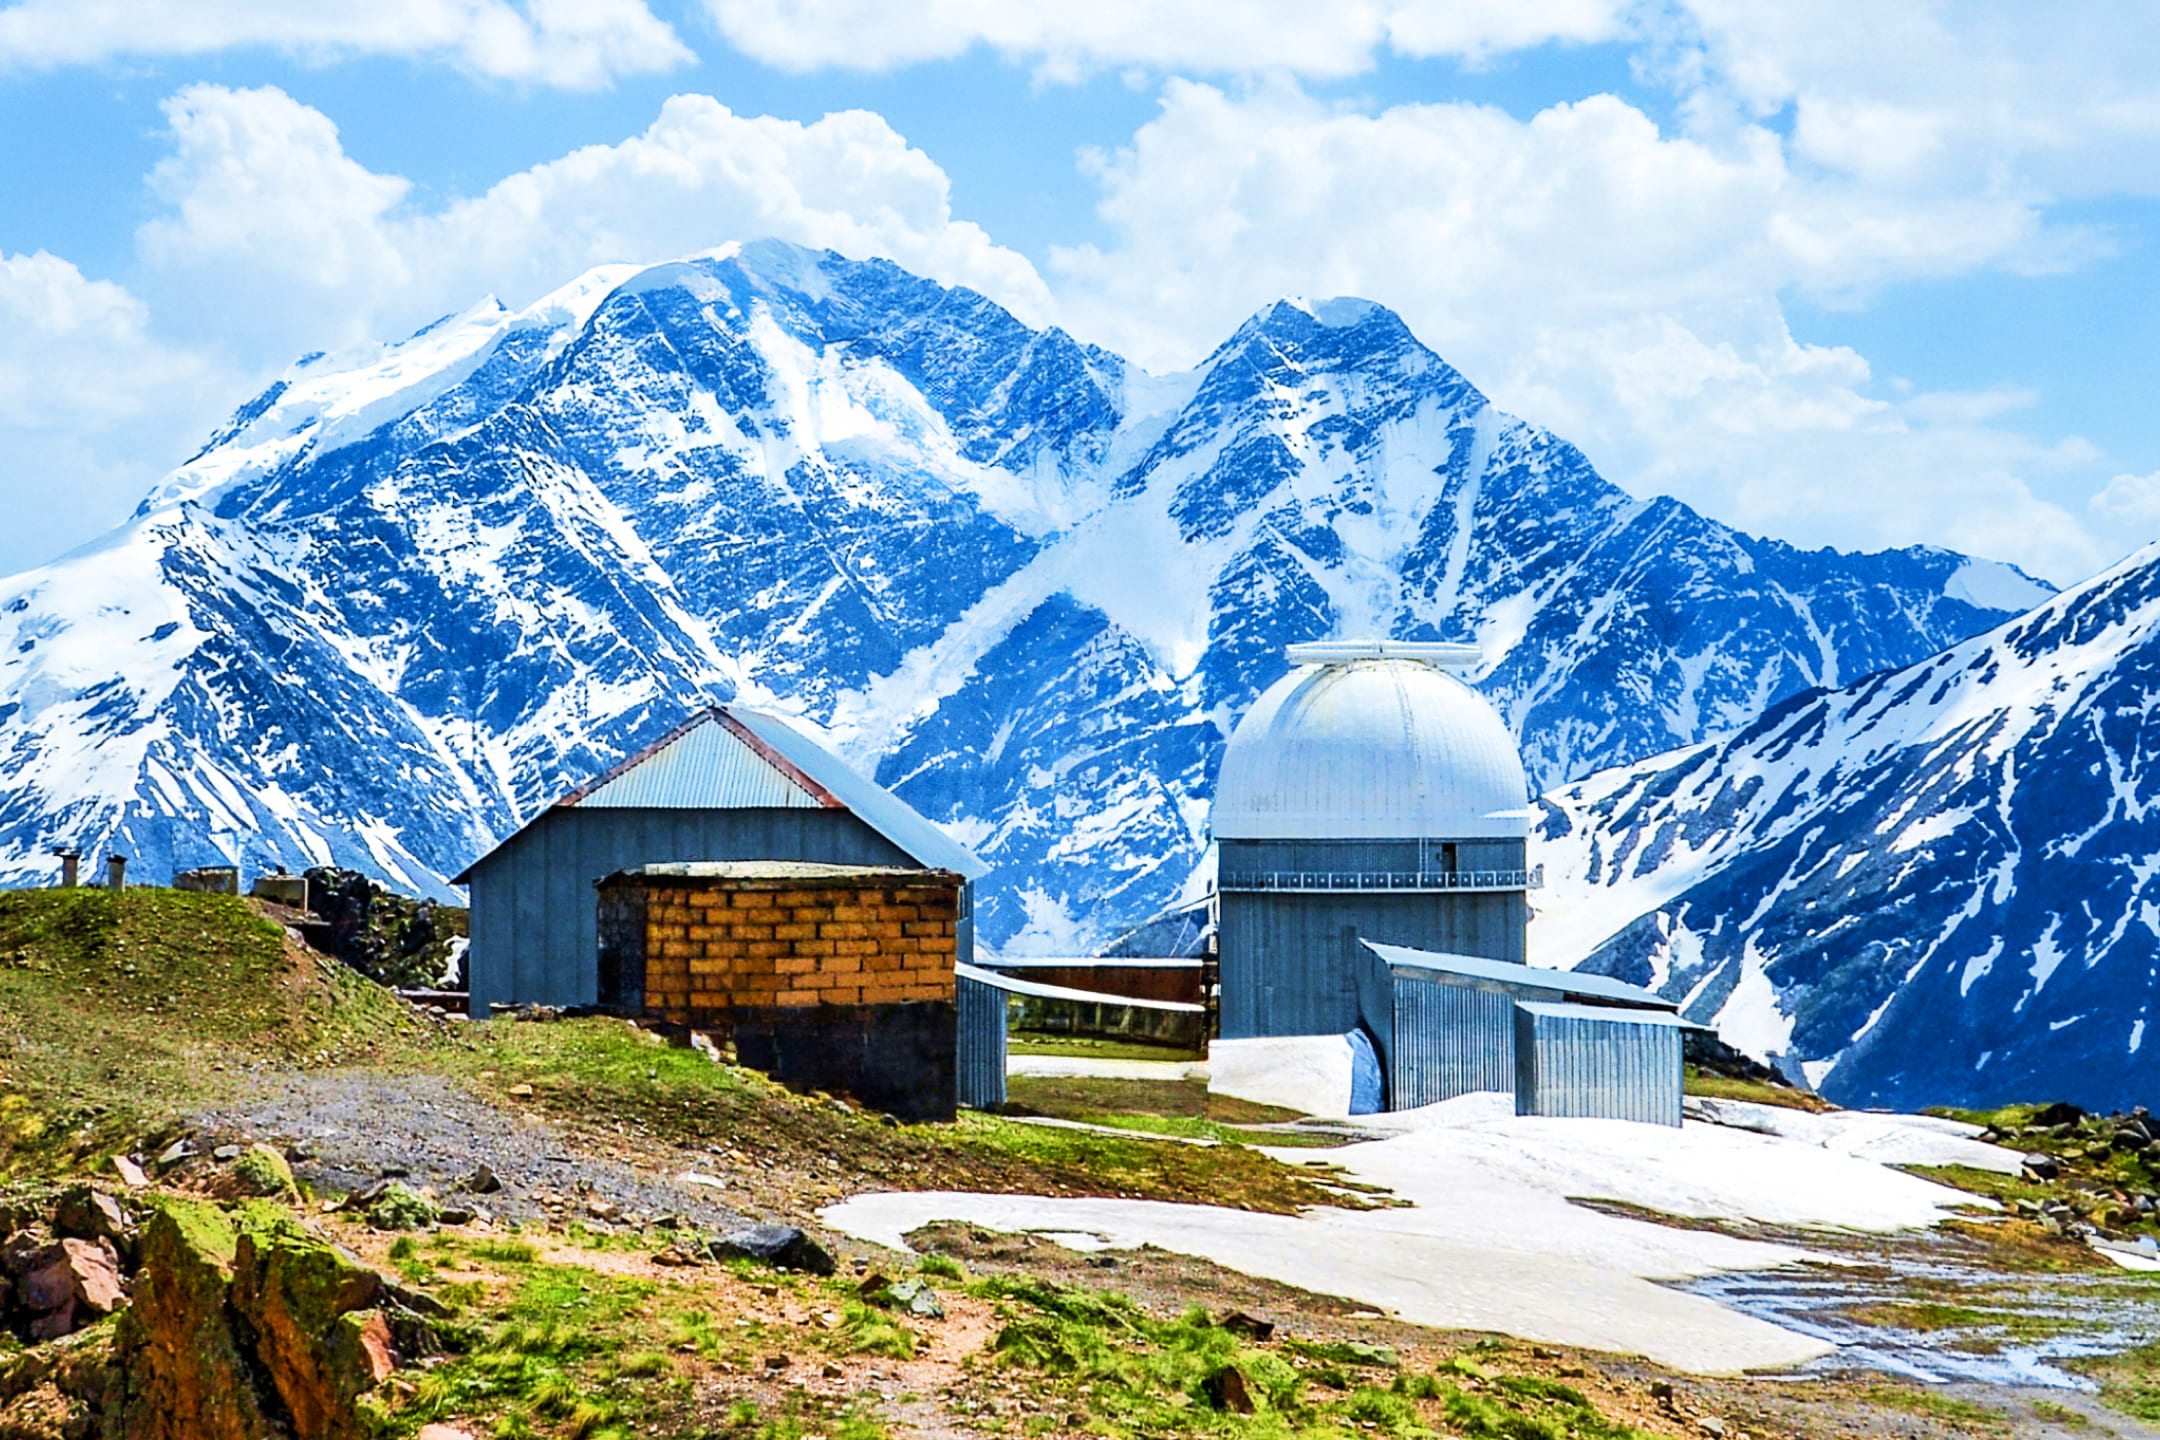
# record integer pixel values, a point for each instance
(410, 594)
(1938, 885)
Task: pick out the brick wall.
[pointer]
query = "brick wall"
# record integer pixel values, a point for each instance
(711, 948)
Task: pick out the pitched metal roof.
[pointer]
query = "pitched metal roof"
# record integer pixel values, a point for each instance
(1612, 1014)
(730, 757)
(1529, 977)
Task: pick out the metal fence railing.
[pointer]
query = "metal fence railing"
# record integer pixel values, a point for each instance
(1385, 880)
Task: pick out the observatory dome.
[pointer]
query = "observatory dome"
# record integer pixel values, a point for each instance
(1370, 740)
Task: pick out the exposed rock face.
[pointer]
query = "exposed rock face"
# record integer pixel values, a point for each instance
(245, 1327)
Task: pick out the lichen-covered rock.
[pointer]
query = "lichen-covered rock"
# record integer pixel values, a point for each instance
(261, 1172)
(298, 1292)
(184, 1373)
(57, 1391)
(400, 1207)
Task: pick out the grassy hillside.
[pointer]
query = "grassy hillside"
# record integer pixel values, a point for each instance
(116, 1011)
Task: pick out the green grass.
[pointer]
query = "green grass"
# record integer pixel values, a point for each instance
(598, 1070)
(1130, 1373)
(2061, 1415)
(126, 1009)
(2129, 1382)
(1039, 1042)
(1916, 1401)
(1977, 1330)
(1719, 1087)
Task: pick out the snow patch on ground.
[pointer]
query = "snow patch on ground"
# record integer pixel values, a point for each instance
(1492, 1239)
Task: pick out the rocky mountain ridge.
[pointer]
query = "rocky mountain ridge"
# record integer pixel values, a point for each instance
(413, 593)
(1934, 886)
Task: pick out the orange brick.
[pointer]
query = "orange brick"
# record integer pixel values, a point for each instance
(843, 965)
(888, 930)
(765, 916)
(925, 928)
(883, 961)
(905, 945)
(748, 900)
(703, 897)
(854, 947)
(900, 912)
(676, 949)
(810, 914)
(788, 899)
(843, 995)
(794, 932)
(882, 994)
(814, 947)
(843, 930)
(796, 964)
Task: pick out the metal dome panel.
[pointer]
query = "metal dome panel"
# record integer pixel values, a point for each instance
(1381, 748)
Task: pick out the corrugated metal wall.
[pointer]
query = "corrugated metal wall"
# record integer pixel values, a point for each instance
(981, 1069)
(1451, 1038)
(534, 932)
(1576, 1060)
(1287, 971)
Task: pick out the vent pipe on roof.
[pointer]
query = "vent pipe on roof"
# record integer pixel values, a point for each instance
(1438, 654)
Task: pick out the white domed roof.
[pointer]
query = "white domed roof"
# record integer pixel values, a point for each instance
(1370, 749)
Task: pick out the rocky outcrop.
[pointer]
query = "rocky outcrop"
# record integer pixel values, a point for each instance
(247, 1325)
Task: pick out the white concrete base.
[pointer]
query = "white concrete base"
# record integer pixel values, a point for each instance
(1306, 1073)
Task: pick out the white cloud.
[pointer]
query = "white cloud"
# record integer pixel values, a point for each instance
(92, 405)
(577, 43)
(1208, 36)
(277, 237)
(1615, 283)
(2129, 506)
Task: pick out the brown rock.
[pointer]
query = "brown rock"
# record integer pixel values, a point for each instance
(299, 1292)
(185, 1376)
(77, 1285)
(130, 1173)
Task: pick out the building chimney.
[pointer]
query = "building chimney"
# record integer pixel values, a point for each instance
(70, 866)
(116, 873)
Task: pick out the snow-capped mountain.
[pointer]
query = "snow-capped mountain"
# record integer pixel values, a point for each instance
(1939, 885)
(410, 594)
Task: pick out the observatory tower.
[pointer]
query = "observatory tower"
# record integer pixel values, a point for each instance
(1367, 795)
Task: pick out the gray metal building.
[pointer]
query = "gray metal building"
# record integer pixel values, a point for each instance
(1448, 1025)
(730, 783)
(980, 1070)
(1367, 795)
(1596, 1061)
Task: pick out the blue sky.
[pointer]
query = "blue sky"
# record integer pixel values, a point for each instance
(1835, 273)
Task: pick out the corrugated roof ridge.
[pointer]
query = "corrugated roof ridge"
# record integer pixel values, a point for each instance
(778, 761)
(704, 716)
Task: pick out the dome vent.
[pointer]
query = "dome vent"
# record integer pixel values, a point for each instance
(1372, 740)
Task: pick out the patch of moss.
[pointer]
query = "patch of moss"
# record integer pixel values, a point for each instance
(261, 1171)
(400, 1207)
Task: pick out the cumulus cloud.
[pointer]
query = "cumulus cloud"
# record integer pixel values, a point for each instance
(1209, 36)
(577, 43)
(1611, 281)
(92, 404)
(2129, 506)
(275, 236)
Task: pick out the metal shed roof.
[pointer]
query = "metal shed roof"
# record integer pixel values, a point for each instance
(1530, 977)
(1608, 1013)
(731, 757)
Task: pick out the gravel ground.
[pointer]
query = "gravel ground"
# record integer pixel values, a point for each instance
(353, 1128)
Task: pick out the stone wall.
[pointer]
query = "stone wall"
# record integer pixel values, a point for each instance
(791, 943)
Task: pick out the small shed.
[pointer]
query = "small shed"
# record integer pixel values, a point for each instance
(826, 977)
(1446, 1025)
(729, 783)
(1597, 1061)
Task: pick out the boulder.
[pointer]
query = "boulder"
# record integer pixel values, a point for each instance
(186, 1378)
(249, 1326)
(784, 1247)
(300, 1294)
(2042, 1167)
(87, 1213)
(78, 1284)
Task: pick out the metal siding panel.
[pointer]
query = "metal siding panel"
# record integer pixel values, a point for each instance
(1595, 1067)
(709, 768)
(980, 1068)
(1450, 1039)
